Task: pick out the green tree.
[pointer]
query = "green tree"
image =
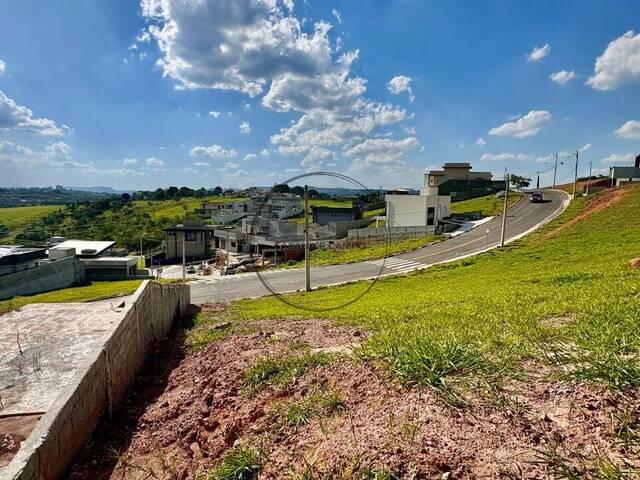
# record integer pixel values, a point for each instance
(281, 188)
(519, 182)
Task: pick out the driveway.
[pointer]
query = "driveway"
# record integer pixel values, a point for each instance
(522, 218)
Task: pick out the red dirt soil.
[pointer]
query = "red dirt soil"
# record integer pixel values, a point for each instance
(13, 431)
(598, 203)
(185, 412)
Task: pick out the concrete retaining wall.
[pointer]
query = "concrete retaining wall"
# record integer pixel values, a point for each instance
(49, 276)
(100, 384)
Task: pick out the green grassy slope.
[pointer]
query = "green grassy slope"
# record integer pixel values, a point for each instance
(369, 252)
(567, 299)
(16, 219)
(176, 208)
(489, 204)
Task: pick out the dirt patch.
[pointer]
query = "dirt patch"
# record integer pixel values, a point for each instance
(179, 421)
(13, 431)
(596, 204)
(634, 264)
(556, 321)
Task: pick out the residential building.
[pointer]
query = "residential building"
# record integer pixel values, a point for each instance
(225, 212)
(424, 210)
(197, 238)
(276, 207)
(109, 267)
(324, 215)
(623, 175)
(15, 258)
(453, 171)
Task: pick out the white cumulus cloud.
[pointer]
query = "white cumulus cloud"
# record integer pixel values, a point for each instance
(154, 162)
(214, 113)
(245, 127)
(213, 151)
(481, 142)
(260, 48)
(538, 53)
(506, 157)
(562, 76)
(525, 126)
(619, 159)
(3, 66)
(400, 84)
(630, 130)
(18, 117)
(619, 64)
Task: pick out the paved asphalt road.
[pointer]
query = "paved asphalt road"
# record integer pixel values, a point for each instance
(522, 218)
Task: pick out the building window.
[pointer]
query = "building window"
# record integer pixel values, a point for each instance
(191, 236)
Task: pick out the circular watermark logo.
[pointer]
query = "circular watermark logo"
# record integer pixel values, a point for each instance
(272, 231)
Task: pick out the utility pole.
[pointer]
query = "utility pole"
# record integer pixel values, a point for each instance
(589, 182)
(307, 266)
(538, 181)
(555, 172)
(575, 175)
(504, 211)
(184, 258)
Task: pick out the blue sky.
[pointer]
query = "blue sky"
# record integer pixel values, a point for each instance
(251, 92)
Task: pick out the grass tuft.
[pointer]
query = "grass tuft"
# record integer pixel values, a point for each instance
(318, 403)
(282, 370)
(239, 463)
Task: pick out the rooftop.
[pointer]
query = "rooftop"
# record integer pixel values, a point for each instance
(12, 254)
(626, 172)
(86, 246)
(191, 228)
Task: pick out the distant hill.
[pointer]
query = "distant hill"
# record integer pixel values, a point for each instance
(18, 197)
(109, 190)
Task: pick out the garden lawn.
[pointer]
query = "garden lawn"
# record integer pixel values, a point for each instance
(82, 293)
(563, 297)
(489, 204)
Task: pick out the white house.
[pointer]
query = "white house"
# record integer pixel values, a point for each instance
(424, 210)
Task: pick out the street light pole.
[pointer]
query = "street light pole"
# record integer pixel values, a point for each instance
(575, 176)
(589, 182)
(307, 266)
(555, 172)
(504, 211)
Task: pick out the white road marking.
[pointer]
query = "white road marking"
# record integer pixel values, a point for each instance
(401, 265)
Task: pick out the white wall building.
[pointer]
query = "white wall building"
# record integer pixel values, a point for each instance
(225, 212)
(424, 210)
(277, 207)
